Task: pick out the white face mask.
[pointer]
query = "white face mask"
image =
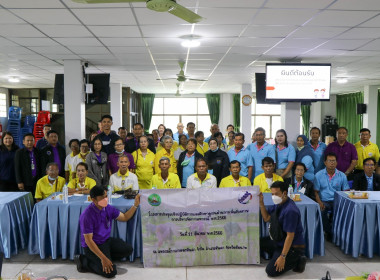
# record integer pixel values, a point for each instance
(276, 199)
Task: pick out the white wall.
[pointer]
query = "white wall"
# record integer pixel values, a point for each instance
(226, 112)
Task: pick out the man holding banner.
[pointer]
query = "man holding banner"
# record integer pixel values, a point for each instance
(286, 243)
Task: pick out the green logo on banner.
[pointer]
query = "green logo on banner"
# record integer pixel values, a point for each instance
(154, 199)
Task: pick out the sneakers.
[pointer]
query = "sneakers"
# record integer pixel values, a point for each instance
(78, 260)
(301, 265)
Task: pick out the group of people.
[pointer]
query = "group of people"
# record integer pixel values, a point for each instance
(164, 159)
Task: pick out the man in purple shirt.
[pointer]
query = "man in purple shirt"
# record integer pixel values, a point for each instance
(53, 152)
(95, 226)
(346, 153)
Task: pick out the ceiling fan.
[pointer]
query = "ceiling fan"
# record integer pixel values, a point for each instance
(170, 6)
(178, 93)
(181, 77)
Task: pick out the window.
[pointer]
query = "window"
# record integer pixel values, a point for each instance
(15, 101)
(268, 116)
(171, 111)
(3, 105)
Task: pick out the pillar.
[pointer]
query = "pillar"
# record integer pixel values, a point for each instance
(116, 105)
(370, 118)
(75, 111)
(226, 111)
(316, 115)
(245, 113)
(290, 120)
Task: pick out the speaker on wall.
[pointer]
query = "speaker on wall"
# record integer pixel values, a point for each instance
(361, 108)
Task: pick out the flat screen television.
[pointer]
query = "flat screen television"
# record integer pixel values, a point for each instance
(298, 82)
(260, 81)
(101, 88)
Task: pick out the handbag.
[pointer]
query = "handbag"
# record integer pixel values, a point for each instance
(275, 230)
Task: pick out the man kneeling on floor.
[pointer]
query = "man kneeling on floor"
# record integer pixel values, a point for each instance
(286, 244)
(95, 225)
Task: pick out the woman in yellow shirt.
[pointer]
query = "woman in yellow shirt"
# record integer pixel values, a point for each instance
(169, 132)
(81, 184)
(168, 152)
(202, 147)
(144, 161)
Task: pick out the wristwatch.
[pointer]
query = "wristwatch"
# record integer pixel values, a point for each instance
(283, 255)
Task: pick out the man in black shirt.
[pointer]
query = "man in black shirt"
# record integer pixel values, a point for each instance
(132, 145)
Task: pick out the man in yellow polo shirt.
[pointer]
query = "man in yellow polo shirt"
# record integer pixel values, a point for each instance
(266, 179)
(365, 149)
(235, 180)
(165, 179)
(123, 179)
(50, 183)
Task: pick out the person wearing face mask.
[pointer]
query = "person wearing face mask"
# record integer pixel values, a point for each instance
(123, 179)
(50, 183)
(186, 161)
(266, 179)
(84, 149)
(74, 147)
(81, 184)
(113, 158)
(286, 246)
(217, 161)
(100, 250)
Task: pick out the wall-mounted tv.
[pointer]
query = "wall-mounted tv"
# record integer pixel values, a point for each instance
(101, 88)
(298, 82)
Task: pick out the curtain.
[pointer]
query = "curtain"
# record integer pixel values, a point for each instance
(305, 113)
(213, 104)
(147, 101)
(236, 111)
(346, 114)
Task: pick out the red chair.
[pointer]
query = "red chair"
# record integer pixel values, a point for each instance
(42, 119)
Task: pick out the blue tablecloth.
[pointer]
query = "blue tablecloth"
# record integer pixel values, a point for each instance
(55, 230)
(356, 225)
(311, 221)
(15, 212)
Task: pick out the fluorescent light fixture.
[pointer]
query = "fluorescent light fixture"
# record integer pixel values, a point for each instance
(190, 43)
(342, 80)
(14, 80)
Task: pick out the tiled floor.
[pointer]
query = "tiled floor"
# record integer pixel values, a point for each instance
(339, 265)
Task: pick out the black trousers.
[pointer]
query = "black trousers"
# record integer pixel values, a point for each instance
(7, 186)
(113, 249)
(291, 261)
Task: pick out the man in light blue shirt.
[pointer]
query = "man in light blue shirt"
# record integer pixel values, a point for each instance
(260, 149)
(214, 129)
(180, 128)
(326, 183)
(318, 149)
(242, 155)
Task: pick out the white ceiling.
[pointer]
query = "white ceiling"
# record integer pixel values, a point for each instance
(137, 46)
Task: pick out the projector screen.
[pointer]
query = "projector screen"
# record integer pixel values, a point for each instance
(298, 82)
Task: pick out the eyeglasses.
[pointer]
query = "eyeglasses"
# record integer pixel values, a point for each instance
(118, 145)
(331, 160)
(369, 164)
